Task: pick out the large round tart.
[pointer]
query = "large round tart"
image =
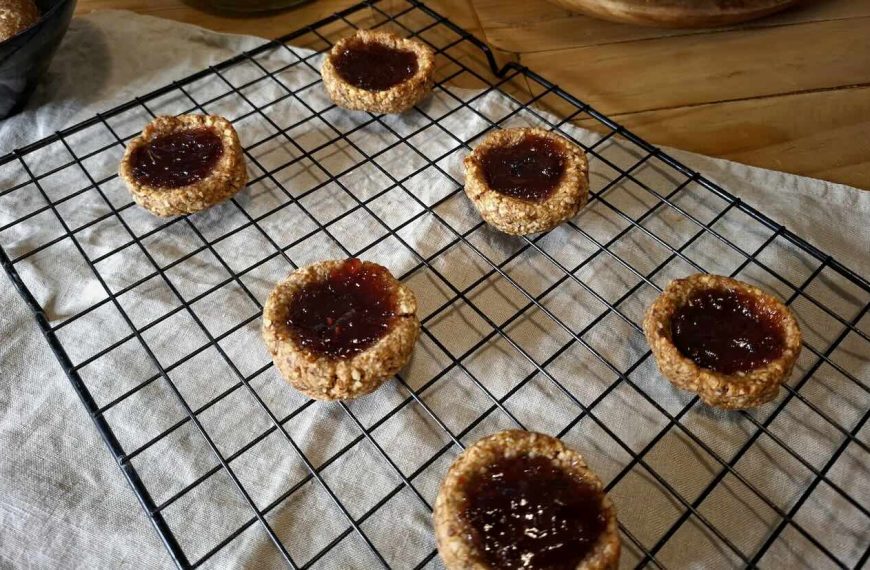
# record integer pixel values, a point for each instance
(728, 341)
(519, 499)
(185, 164)
(526, 180)
(338, 329)
(16, 16)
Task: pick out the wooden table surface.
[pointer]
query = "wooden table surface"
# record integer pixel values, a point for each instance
(790, 92)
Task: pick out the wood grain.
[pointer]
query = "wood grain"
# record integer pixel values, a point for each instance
(528, 27)
(268, 25)
(788, 92)
(726, 66)
(779, 132)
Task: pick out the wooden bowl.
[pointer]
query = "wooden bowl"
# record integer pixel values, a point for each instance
(677, 13)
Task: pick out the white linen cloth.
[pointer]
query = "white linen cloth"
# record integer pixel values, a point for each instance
(65, 504)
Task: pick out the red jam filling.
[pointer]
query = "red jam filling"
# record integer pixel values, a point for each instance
(177, 159)
(527, 513)
(529, 170)
(373, 66)
(727, 331)
(345, 314)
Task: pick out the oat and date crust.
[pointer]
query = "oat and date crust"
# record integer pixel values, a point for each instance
(451, 531)
(327, 378)
(226, 179)
(521, 217)
(16, 16)
(728, 391)
(398, 98)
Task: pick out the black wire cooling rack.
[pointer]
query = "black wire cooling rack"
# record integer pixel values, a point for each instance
(62, 197)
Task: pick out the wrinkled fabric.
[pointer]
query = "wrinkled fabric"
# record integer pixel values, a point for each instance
(65, 504)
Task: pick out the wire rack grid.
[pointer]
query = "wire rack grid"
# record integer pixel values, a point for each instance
(210, 503)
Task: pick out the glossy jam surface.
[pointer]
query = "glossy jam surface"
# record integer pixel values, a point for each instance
(373, 66)
(527, 513)
(177, 159)
(345, 314)
(726, 331)
(530, 170)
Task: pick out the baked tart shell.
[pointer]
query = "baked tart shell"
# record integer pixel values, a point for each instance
(740, 390)
(516, 216)
(396, 99)
(451, 531)
(327, 378)
(228, 176)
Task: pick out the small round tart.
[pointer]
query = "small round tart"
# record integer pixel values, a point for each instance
(181, 165)
(526, 180)
(729, 342)
(16, 16)
(378, 72)
(338, 329)
(519, 499)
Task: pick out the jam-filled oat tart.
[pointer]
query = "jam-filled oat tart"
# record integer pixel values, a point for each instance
(520, 499)
(526, 180)
(378, 72)
(16, 16)
(185, 164)
(729, 342)
(338, 329)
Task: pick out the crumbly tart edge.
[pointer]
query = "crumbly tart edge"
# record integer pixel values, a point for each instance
(728, 391)
(227, 178)
(324, 378)
(396, 99)
(521, 217)
(451, 533)
(17, 21)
